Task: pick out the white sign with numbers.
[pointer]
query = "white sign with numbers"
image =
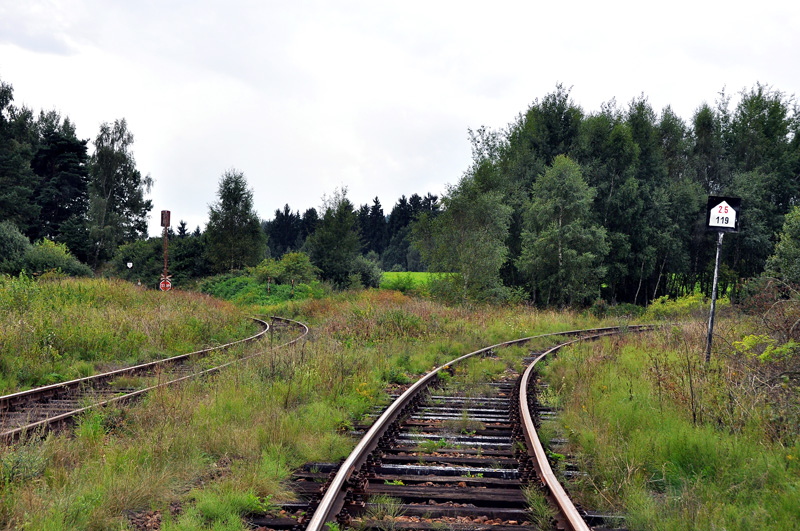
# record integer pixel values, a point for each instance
(722, 216)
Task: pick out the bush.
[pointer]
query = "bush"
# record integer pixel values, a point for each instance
(292, 266)
(298, 267)
(268, 271)
(367, 272)
(244, 289)
(402, 283)
(46, 255)
(13, 246)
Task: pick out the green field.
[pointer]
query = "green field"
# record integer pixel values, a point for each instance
(406, 280)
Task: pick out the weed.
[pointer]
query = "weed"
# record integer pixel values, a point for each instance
(672, 440)
(540, 512)
(384, 510)
(22, 463)
(430, 445)
(464, 424)
(233, 439)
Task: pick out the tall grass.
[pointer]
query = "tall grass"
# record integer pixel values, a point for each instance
(56, 330)
(670, 442)
(222, 446)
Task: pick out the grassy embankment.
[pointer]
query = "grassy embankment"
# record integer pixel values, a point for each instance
(674, 444)
(221, 446)
(56, 330)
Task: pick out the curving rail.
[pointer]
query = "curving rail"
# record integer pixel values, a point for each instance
(334, 498)
(557, 494)
(11, 402)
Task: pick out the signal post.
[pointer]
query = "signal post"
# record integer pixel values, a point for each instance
(722, 215)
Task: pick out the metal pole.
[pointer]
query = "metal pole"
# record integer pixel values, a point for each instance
(713, 300)
(165, 253)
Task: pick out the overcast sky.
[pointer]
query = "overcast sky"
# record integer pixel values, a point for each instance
(305, 96)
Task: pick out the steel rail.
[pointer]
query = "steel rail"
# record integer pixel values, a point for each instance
(101, 378)
(30, 395)
(333, 499)
(540, 462)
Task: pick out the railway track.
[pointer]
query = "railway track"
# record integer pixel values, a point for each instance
(45, 408)
(444, 457)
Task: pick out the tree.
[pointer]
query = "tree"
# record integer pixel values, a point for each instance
(61, 163)
(785, 263)
(376, 228)
(117, 207)
(13, 246)
(335, 244)
(17, 181)
(234, 235)
(562, 250)
(468, 239)
(283, 231)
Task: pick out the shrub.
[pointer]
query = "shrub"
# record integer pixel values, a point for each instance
(367, 271)
(268, 271)
(46, 255)
(402, 283)
(13, 245)
(292, 266)
(298, 267)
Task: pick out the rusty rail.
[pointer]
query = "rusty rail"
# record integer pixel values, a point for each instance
(334, 497)
(8, 402)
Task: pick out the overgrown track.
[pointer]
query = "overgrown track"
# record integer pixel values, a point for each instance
(476, 483)
(45, 408)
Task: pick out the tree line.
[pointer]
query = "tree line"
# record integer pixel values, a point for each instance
(95, 208)
(561, 207)
(386, 238)
(51, 188)
(567, 207)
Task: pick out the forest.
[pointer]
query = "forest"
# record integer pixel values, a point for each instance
(563, 207)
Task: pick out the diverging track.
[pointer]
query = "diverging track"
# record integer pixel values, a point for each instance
(447, 459)
(44, 408)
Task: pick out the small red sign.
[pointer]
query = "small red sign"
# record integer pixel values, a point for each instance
(165, 285)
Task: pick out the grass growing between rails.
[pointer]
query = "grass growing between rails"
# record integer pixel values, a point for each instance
(673, 444)
(221, 447)
(65, 328)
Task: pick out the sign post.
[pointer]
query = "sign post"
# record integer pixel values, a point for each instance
(722, 215)
(165, 284)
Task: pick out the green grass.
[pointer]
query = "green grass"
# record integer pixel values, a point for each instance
(411, 281)
(672, 444)
(220, 445)
(245, 289)
(52, 331)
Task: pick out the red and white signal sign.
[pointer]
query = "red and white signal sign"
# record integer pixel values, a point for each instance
(722, 214)
(165, 285)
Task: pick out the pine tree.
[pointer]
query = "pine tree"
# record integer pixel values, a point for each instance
(234, 235)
